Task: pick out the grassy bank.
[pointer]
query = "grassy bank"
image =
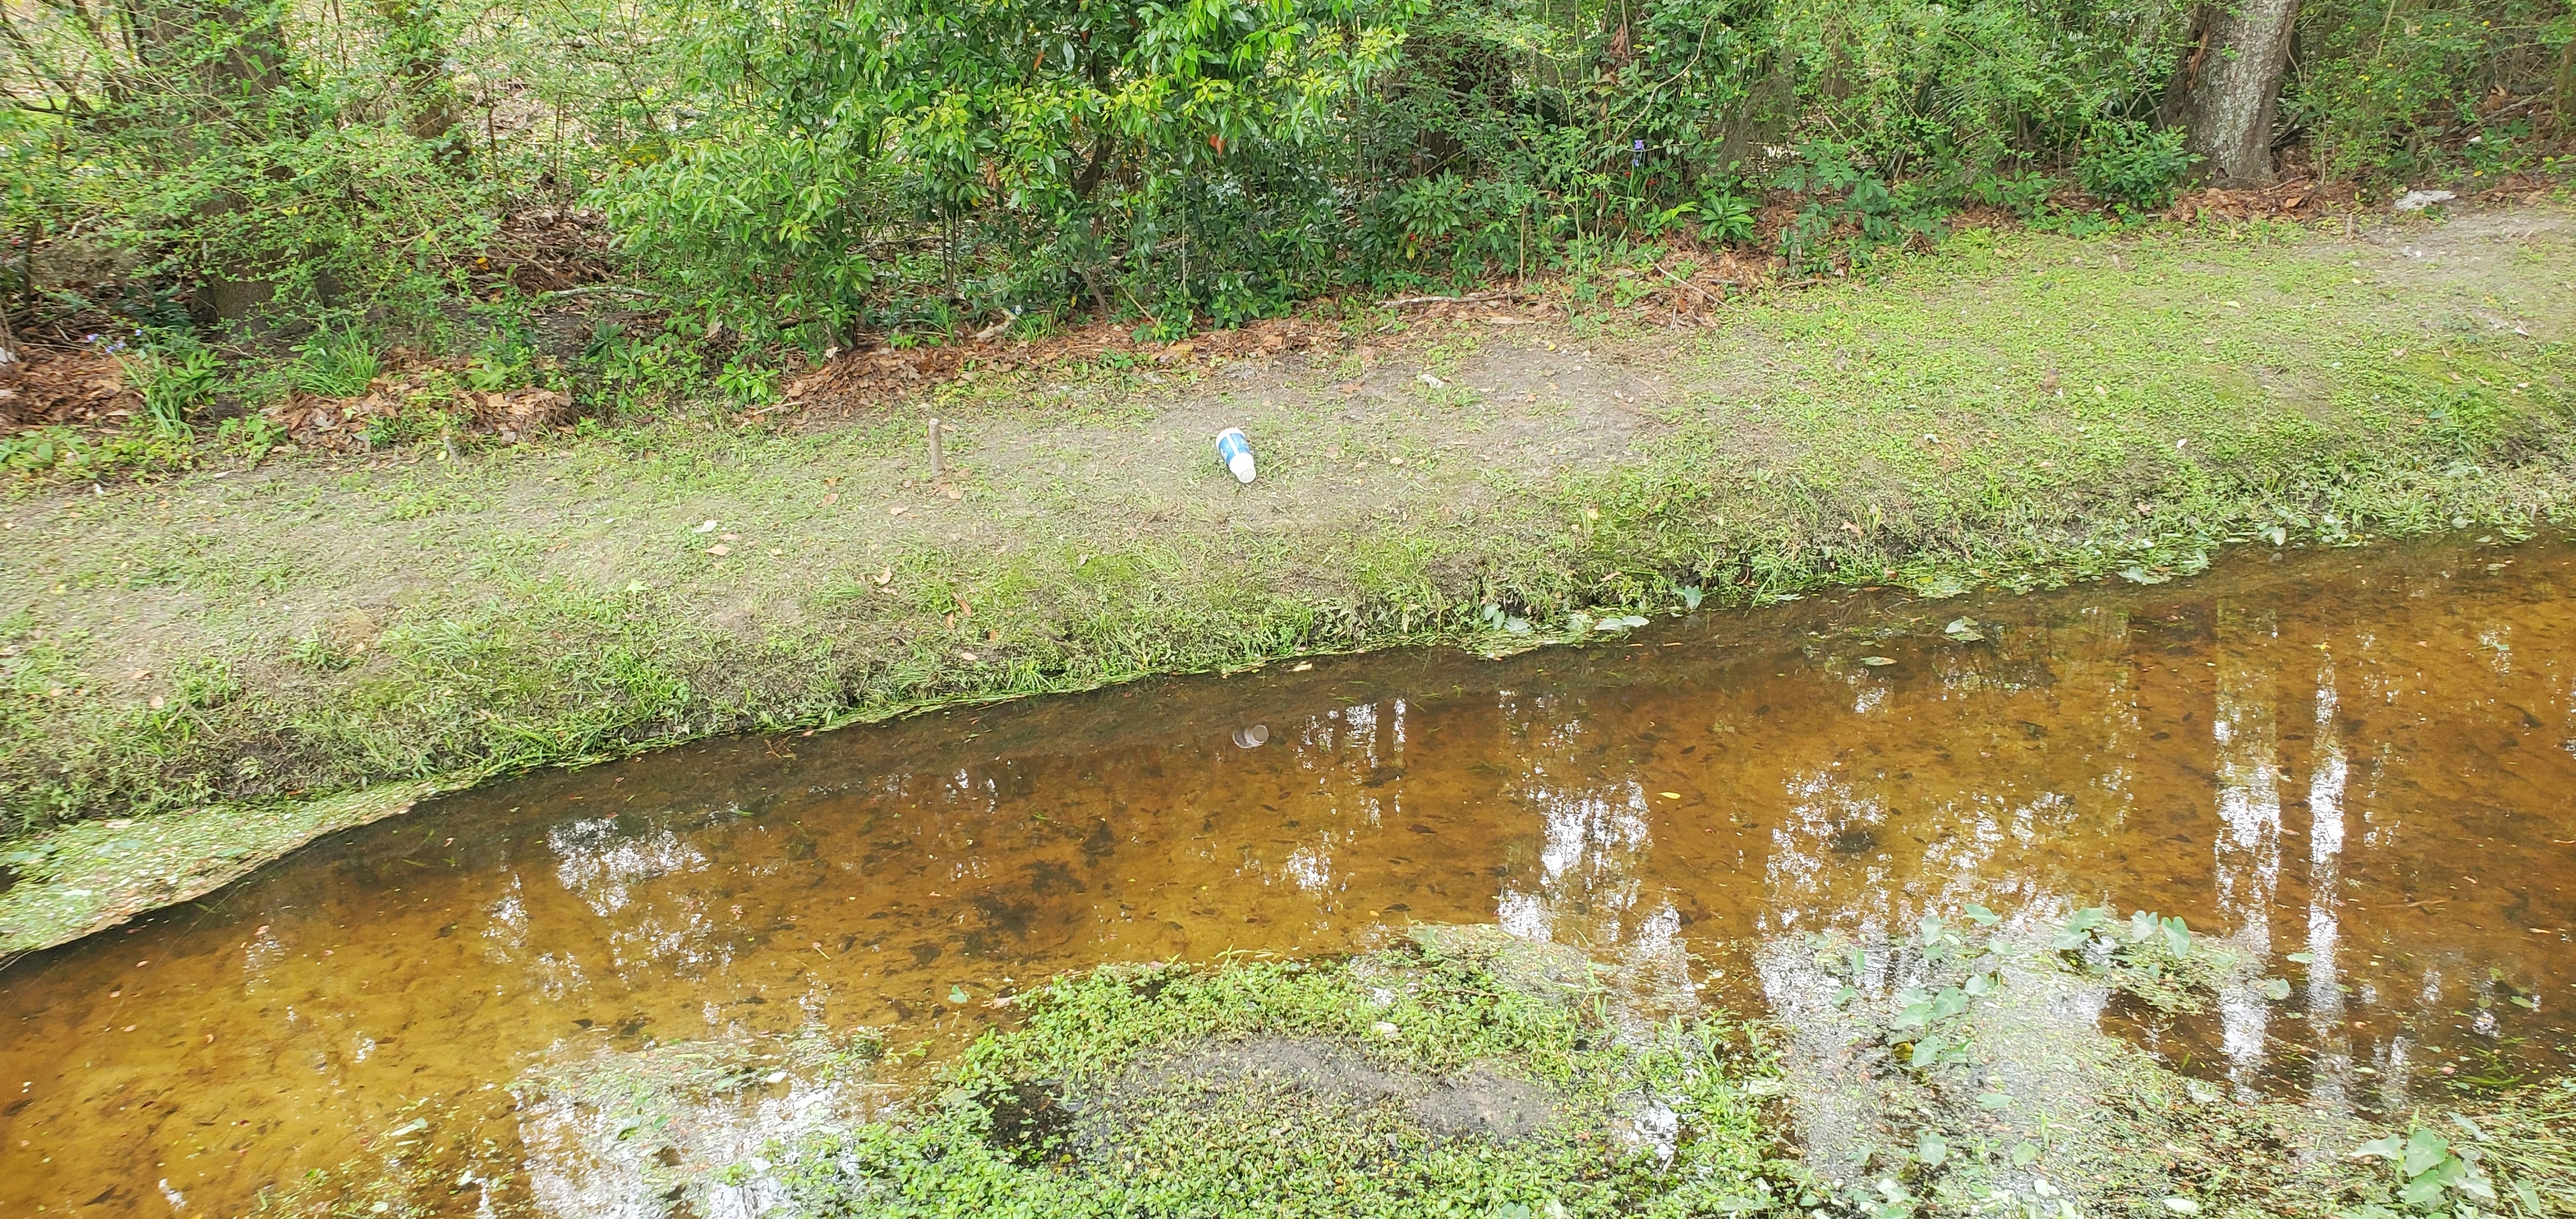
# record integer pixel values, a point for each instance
(2016, 409)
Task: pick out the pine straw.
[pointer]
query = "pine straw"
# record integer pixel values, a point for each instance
(850, 380)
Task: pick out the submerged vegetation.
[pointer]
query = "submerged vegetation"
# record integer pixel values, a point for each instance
(1994, 1092)
(1464, 1072)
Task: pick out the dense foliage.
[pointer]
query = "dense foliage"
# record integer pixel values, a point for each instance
(809, 169)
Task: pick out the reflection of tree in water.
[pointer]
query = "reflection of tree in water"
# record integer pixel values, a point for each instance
(2332, 1087)
(612, 865)
(602, 867)
(2247, 868)
(2356, 837)
(1348, 758)
(1582, 884)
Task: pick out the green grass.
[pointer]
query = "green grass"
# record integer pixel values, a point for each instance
(315, 624)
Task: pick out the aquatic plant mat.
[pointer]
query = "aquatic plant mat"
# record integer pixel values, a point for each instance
(94, 874)
(1955, 1069)
(1460, 1073)
(1962, 1067)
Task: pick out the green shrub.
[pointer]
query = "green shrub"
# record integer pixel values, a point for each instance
(629, 374)
(1150, 161)
(809, 170)
(2133, 166)
(2392, 92)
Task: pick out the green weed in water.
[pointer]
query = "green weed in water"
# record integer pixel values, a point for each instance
(1459, 1075)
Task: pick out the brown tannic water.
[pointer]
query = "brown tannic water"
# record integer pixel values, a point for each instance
(2366, 759)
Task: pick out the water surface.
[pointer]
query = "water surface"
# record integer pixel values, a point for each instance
(2363, 758)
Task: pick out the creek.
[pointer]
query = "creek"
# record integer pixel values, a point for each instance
(2357, 767)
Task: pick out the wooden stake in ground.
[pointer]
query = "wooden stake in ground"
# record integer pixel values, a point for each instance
(936, 467)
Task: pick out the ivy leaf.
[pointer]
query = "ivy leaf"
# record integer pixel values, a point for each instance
(2177, 936)
(2425, 1151)
(2386, 1148)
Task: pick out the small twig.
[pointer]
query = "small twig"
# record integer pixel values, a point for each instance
(1703, 293)
(563, 294)
(1402, 301)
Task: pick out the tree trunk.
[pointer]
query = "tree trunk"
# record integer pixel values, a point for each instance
(419, 57)
(217, 63)
(2230, 87)
(2563, 106)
